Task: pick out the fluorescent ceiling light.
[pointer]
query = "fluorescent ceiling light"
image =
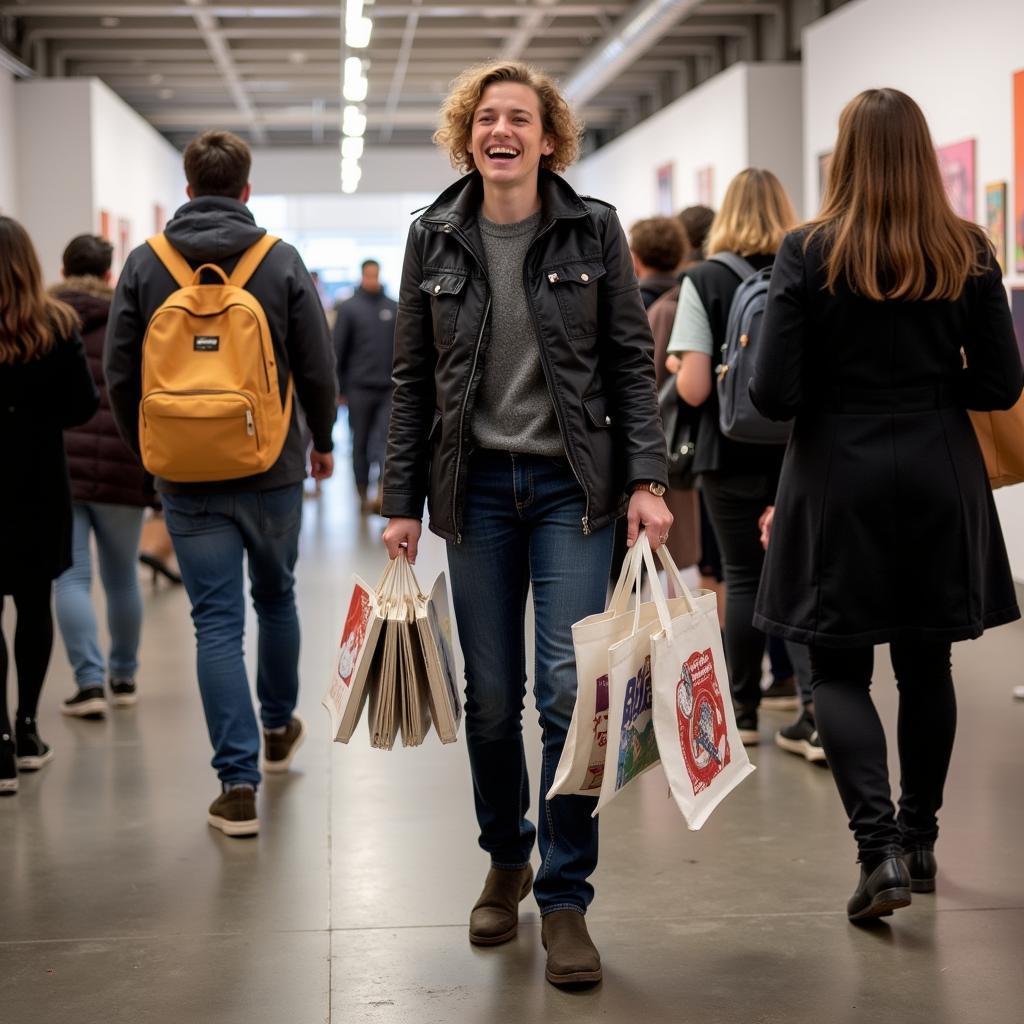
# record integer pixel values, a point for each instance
(354, 84)
(352, 148)
(357, 33)
(353, 122)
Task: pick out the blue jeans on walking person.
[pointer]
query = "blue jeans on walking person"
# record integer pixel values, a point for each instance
(117, 529)
(212, 534)
(522, 527)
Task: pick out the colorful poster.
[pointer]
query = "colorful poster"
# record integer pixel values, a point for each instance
(706, 186)
(598, 739)
(700, 718)
(956, 162)
(824, 163)
(1018, 163)
(995, 219)
(105, 225)
(638, 748)
(666, 190)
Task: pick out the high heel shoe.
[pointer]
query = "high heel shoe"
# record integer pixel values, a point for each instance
(160, 567)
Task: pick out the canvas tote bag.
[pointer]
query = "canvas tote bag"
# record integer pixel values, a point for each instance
(694, 723)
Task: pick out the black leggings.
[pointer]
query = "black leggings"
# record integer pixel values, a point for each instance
(854, 741)
(33, 642)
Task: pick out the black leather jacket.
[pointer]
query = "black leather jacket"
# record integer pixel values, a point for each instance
(596, 351)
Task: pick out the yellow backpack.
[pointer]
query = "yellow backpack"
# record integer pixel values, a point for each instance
(211, 406)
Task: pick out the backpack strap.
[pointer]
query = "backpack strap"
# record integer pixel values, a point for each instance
(737, 264)
(251, 259)
(176, 264)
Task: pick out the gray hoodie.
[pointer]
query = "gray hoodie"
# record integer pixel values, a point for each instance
(214, 229)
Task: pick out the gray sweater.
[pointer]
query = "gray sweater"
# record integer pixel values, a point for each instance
(514, 411)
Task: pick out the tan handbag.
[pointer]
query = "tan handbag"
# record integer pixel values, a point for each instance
(1001, 436)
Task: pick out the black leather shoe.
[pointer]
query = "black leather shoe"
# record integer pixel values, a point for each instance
(922, 867)
(885, 889)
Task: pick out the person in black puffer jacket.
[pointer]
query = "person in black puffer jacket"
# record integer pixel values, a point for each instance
(110, 492)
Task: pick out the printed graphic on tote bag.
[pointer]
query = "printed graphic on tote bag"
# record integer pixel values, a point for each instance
(701, 717)
(353, 636)
(599, 740)
(638, 749)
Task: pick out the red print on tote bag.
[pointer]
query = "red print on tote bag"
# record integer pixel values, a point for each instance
(701, 717)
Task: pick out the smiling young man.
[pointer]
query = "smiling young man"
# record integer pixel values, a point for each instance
(525, 414)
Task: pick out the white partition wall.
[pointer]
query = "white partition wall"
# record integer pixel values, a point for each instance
(749, 115)
(85, 161)
(8, 182)
(957, 61)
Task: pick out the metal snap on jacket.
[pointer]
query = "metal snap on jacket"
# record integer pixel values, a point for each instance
(607, 421)
(584, 277)
(553, 278)
(437, 288)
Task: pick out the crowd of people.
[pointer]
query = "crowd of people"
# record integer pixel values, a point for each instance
(515, 386)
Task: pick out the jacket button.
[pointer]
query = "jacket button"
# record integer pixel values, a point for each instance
(607, 421)
(447, 229)
(553, 278)
(584, 277)
(437, 288)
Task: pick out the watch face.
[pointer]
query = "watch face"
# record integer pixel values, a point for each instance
(657, 490)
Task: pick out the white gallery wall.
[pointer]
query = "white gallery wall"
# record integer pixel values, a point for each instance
(81, 151)
(8, 181)
(957, 62)
(749, 115)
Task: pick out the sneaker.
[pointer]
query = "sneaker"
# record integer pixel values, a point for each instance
(234, 812)
(279, 747)
(8, 766)
(802, 738)
(33, 753)
(122, 693)
(87, 703)
(746, 722)
(781, 695)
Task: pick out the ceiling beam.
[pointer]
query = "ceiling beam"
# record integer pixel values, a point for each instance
(42, 9)
(398, 78)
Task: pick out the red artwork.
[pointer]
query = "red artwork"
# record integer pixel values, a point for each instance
(700, 714)
(706, 186)
(956, 162)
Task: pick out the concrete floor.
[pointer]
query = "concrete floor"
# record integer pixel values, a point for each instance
(119, 904)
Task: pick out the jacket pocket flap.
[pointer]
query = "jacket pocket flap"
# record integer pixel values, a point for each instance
(443, 284)
(596, 407)
(582, 272)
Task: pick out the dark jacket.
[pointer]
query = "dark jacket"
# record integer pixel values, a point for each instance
(38, 399)
(653, 286)
(595, 346)
(213, 229)
(884, 525)
(364, 341)
(101, 466)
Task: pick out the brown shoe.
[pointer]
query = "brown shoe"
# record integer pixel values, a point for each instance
(279, 747)
(495, 918)
(572, 958)
(234, 812)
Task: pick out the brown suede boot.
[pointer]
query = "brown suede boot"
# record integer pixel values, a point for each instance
(495, 918)
(572, 958)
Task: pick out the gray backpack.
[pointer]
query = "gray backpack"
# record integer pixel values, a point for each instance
(737, 418)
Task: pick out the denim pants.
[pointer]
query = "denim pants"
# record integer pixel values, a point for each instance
(117, 529)
(211, 534)
(522, 527)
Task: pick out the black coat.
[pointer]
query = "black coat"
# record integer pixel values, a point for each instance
(885, 527)
(595, 342)
(364, 341)
(101, 466)
(38, 399)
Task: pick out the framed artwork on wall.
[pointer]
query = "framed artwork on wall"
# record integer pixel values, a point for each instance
(1017, 306)
(956, 162)
(1018, 175)
(824, 162)
(105, 225)
(665, 190)
(995, 219)
(124, 239)
(706, 186)
(159, 218)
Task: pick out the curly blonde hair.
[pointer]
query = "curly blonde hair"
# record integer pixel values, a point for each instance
(559, 122)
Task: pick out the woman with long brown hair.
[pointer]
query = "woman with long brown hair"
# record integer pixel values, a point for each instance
(45, 386)
(737, 479)
(887, 320)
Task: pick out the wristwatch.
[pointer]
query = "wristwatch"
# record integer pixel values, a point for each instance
(658, 490)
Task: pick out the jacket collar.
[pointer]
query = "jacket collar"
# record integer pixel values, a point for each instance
(459, 204)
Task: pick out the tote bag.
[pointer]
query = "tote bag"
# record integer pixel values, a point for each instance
(1001, 436)
(694, 723)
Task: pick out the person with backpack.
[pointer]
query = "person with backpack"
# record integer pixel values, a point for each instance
(737, 477)
(525, 416)
(110, 492)
(886, 321)
(45, 386)
(235, 341)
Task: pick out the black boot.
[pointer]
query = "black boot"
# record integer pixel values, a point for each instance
(922, 867)
(8, 765)
(881, 890)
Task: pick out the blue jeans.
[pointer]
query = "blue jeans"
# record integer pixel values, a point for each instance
(117, 529)
(522, 526)
(211, 534)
